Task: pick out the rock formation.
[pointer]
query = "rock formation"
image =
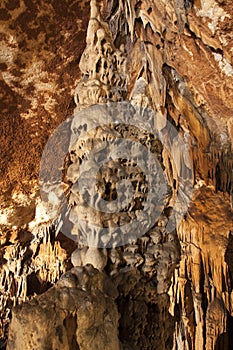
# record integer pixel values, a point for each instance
(77, 313)
(137, 253)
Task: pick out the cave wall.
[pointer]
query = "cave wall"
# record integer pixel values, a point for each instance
(175, 58)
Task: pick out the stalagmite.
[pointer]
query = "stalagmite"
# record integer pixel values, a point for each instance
(135, 175)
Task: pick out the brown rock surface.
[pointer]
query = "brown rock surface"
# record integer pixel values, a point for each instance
(77, 313)
(172, 57)
(41, 44)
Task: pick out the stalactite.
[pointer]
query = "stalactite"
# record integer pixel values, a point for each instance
(173, 59)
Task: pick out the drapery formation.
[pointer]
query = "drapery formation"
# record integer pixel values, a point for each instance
(168, 288)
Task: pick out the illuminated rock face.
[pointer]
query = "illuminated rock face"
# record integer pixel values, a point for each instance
(78, 313)
(171, 287)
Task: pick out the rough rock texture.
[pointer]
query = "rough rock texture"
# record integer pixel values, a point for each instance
(77, 313)
(41, 44)
(174, 287)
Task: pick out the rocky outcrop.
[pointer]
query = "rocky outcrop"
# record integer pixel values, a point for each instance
(160, 66)
(77, 313)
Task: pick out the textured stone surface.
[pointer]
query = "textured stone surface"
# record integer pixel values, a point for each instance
(78, 313)
(41, 44)
(174, 288)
